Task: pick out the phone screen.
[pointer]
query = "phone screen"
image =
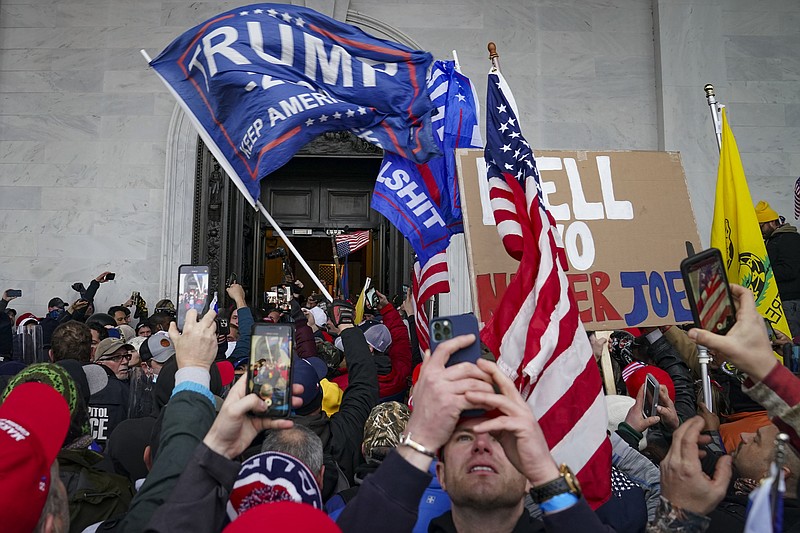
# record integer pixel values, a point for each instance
(770, 330)
(709, 294)
(371, 298)
(269, 373)
(650, 396)
(192, 291)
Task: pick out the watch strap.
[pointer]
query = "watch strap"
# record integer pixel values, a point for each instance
(550, 489)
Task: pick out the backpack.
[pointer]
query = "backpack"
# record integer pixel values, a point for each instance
(93, 494)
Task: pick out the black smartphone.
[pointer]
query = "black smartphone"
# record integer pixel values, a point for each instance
(192, 291)
(770, 330)
(231, 279)
(223, 328)
(650, 407)
(269, 372)
(14, 293)
(708, 291)
(446, 327)
(110, 276)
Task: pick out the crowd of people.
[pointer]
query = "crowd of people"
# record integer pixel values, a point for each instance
(106, 426)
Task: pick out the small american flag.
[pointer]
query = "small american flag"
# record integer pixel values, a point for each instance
(347, 243)
(535, 330)
(428, 281)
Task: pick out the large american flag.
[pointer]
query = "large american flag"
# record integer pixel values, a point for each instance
(347, 243)
(535, 330)
(428, 281)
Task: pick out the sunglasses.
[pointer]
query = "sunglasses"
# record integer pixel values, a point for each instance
(116, 358)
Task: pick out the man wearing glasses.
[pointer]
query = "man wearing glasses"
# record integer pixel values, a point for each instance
(109, 405)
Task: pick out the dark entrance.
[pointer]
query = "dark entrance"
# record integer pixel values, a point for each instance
(324, 190)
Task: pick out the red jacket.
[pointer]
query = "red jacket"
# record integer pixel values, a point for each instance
(399, 353)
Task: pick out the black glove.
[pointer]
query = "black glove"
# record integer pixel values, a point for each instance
(620, 347)
(341, 312)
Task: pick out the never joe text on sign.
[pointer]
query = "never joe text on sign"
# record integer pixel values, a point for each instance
(623, 217)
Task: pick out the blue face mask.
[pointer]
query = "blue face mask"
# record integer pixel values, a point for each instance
(55, 313)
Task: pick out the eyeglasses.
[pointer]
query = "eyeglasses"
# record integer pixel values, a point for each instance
(116, 358)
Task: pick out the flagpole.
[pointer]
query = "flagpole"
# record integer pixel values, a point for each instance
(335, 263)
(455, 60)
(781, 444)
(291, 247)
(703, 358)
(714, 106)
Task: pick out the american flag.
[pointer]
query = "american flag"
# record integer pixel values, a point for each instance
(428, 281)
(347, 243)
(535, 330)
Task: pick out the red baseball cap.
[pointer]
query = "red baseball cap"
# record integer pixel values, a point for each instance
(34, 420)
(636, 379)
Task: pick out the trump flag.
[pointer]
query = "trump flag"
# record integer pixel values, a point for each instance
(261, 81)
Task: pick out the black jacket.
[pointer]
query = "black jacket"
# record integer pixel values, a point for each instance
(783, 249)
(108, 407)
(343, 433)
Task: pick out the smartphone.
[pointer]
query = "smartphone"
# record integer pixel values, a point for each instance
(650, 407)
(231, 279)
(446, 327)
(406, 288)
(371, 298)
(192, 291)
(269, 372)
(110, 276)
(770, 330)
(14, 293)
(223, 328)
(708, 291)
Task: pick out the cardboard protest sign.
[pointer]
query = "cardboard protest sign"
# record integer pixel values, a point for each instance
(624, 219)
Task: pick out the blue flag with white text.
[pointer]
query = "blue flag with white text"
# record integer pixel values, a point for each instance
(422, 200)
(261, 81)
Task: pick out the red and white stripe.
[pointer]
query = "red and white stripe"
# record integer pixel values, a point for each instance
(428, 281)
(540, 340)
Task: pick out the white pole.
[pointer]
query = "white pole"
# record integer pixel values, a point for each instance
(146, 55)
(455, 59)
(291, 247)
(715, 107)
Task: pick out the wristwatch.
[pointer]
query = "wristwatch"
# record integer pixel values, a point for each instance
(565, 483)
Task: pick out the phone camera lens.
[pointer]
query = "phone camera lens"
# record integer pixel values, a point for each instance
(437, 326)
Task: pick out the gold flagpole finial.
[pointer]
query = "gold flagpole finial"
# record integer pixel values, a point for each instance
(493, 56)
(709, 89)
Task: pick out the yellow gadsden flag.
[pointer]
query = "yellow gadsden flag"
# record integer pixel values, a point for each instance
(735, 232)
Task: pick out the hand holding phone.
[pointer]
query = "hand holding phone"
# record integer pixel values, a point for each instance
(10, 294)
(269, 372)
(651, 392)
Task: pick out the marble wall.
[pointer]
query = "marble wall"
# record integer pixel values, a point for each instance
(86, 144)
